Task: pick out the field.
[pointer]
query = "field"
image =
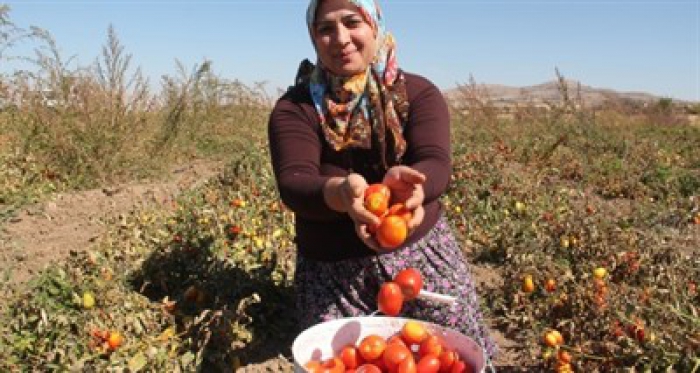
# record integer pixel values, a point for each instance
(581, 220)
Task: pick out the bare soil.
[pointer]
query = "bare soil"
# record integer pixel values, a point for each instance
(44, 234)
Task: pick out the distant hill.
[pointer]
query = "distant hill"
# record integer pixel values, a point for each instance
(549, 92)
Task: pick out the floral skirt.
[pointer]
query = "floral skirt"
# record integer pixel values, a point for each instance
(349, 288)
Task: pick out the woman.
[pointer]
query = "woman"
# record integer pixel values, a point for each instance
(353, 119)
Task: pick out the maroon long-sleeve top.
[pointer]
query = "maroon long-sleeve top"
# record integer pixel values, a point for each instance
(303, 161)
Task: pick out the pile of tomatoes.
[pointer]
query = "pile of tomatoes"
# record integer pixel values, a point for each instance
(394, 217)
(414, 349)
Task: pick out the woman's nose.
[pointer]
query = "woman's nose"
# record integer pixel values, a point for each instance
(342, 36)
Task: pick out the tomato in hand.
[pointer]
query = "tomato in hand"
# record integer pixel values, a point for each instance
(392, 232)
(401, 211)
(377, 198)
(410, 281)
(390, 299)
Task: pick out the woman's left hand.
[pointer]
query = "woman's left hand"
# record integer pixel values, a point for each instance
(406, 185)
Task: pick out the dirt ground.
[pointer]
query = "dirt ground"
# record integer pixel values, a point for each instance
(41, 235)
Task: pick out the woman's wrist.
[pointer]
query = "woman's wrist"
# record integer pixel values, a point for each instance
(332, 194)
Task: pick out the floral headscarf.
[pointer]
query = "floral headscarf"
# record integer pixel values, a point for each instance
(368, 110)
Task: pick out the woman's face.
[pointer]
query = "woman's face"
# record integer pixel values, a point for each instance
(344, 41)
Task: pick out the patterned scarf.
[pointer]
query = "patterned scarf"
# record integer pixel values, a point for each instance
(368, 110)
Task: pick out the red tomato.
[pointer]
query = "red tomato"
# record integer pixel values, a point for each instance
(396, 339)
(390, 299)
(431, 345)
(428, 364)
(461, 367)
(408, 365)
(368, 368)
(372, 347)
(447, 360)
(394, 354)
(401, 211)
(410, 281)
(351, 357)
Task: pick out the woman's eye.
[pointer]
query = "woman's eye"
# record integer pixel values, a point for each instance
(324, 29)
(353, 22)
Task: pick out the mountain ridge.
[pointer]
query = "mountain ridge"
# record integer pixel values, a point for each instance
(551, 91)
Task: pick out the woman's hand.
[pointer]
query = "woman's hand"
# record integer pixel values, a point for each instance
(406, 185)
(347, 194)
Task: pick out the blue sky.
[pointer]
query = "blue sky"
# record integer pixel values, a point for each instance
(649, 46)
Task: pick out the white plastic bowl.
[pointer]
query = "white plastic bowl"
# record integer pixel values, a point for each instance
(325, 340)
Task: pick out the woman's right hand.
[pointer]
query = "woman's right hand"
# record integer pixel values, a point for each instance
(347, 194)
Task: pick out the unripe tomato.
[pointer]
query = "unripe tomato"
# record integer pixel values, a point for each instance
(390, 299)
(600, 273)
(410, 281)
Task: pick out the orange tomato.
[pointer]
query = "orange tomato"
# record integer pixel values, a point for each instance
(564, 356)
(413, 332)
(377, 199)
(394, 354)
(115, 340)
(351, 357)
(372, 347)
(528, 284)
(313, 366)
(410, 281)
(392, 232)
(333, 365)
(390, 299)
(553, 338)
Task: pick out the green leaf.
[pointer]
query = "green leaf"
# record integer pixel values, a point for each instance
(137, 362)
